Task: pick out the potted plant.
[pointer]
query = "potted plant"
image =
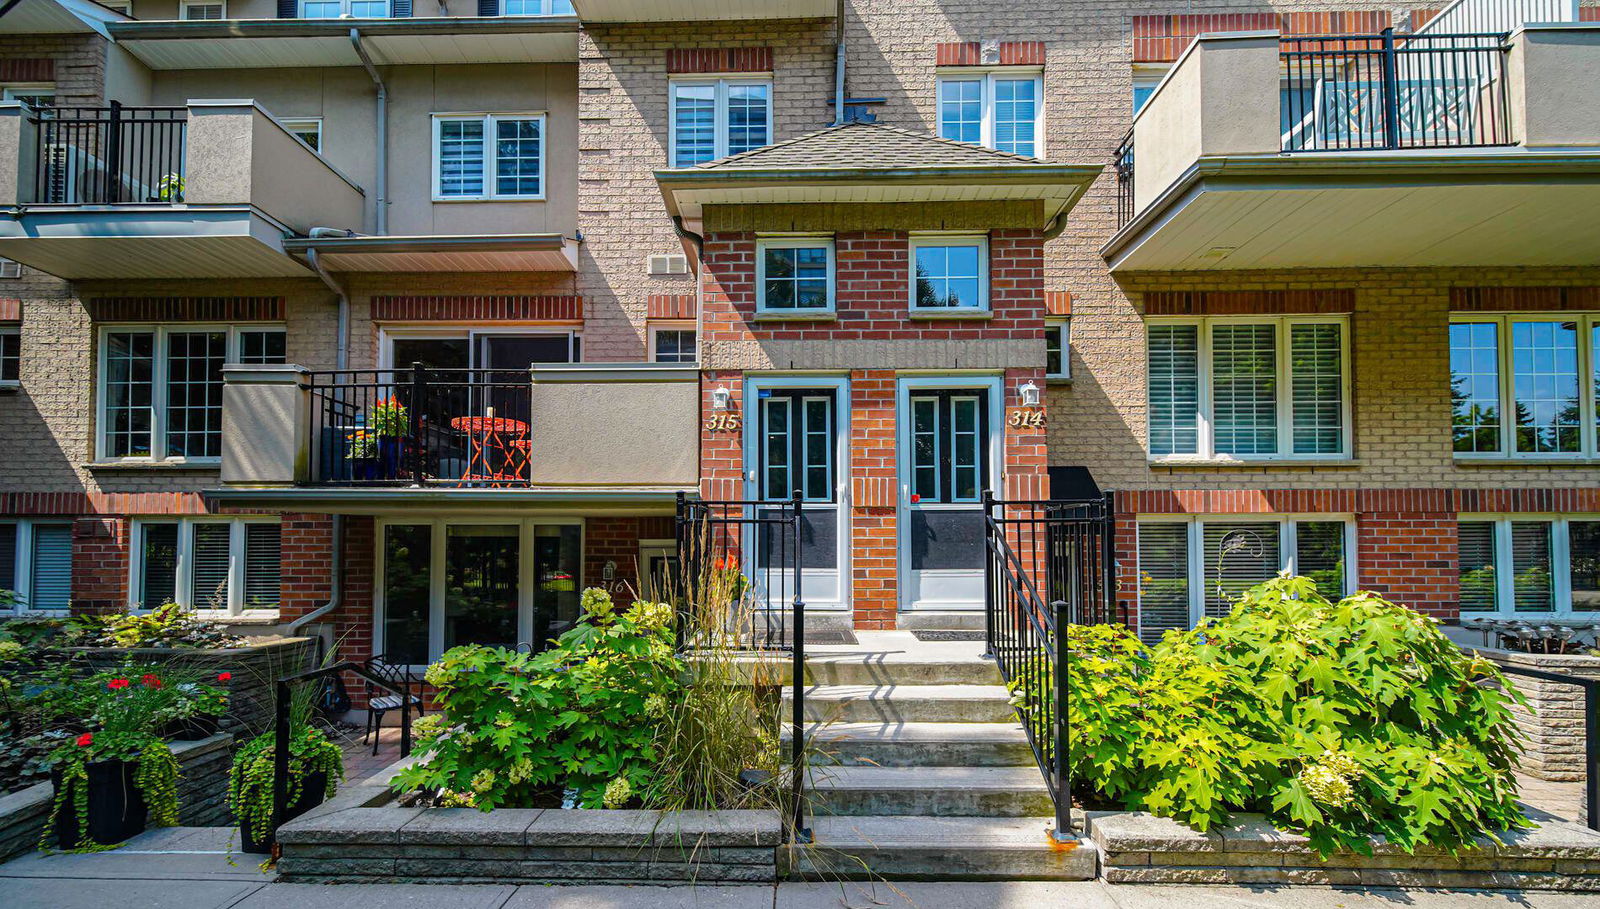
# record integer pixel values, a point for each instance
(389, 420)
(361, 449)
(316, 764)
(113, 779)
(195, 710)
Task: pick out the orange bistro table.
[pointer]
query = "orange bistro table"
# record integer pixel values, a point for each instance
(497, 449)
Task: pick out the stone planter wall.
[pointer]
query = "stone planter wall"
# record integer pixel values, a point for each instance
(1139, 848)
(202, 796)
(255, 668)
(363, 836)
(1552, 723)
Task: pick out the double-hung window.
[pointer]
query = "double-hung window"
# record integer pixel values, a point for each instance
(161, 387)
(714, 118)
(1249, 388)
(536, 8)
(335, 9)
(35, 565)
(206, 563)
(1192, 568)
(10, 355)
(1058, 349)
(949, 274)
(194, 11)
(1003, 110)
(1521, 564)
(672, 344)
(1525, 386)
(488, 156)
(794, 275)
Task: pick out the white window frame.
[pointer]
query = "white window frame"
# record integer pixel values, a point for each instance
(1206, 448)
(546, 8)
(438, 551)
(297, 125)
(1061, 326)
(13, 331)
(18, 90)
(657, 327)
(1146, 75)
(491, 162)
(815, 242)
(185, 5)
(988, 76)
(1560, 563)
(344, 11)
(124, 7)
(918, 241)
(182, 592)
(10, 269)
(388, 334)
(720, 115)
(158, 381)
(24, 565)
(1588, 437)
(1287, 548)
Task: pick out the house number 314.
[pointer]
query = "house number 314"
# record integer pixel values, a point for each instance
(1020, 418)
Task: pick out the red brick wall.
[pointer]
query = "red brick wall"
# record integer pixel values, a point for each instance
(100, 564)
(874, 498)
(1410, 557)
(617, 540)
(307, 564)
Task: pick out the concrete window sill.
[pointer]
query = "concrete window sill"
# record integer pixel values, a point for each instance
(153, 465)
(1235, 464)
(1526, 462)
(775, 316)
(962, 315)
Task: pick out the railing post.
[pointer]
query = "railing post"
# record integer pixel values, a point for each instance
(419, 388)
(989, 606)
(1391, 95)
(113, 154)
(802, 833)
(1591, 752)
(1063, 744)
(280, 757)
(683, 602)
(1108, 554)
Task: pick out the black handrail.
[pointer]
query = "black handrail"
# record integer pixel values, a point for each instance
(1591, 731)
(711, 532)
(109, 155)
(1122, 166)
(281, 731)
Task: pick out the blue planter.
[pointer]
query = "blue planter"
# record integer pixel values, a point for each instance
(389, 451)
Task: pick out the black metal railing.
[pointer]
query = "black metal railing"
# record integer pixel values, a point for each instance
(1048, 565)
(1591, 732)
(1388, 91)
(740, 563)
(109, 155)
(421, 427)
(281, 730)
(1122, 165)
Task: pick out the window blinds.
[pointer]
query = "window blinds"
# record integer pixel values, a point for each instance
(208, 573)
(262, 565)
(1163, 579)
(52, 567)
(1174, 389)
(1237, 558)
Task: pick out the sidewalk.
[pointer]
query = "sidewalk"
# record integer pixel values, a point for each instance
(190, 868)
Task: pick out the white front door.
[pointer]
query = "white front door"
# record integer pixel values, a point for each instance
(797, 442)
(947, 442)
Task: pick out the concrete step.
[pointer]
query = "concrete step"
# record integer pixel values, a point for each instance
(933, 791)
(874, 669)
(920, 744)
(940, 848)
(907, 704)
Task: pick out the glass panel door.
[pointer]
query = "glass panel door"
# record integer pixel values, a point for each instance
(557, 567)
(947, 444)
(798, 444)
(482, 575)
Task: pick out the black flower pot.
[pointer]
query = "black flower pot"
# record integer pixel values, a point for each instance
(311, 795)
(189, 729)
(116, 806)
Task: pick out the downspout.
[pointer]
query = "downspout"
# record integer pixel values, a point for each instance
(381, 162)
(685, 233)
(1055, 227)
(341, 352)
(838, 65)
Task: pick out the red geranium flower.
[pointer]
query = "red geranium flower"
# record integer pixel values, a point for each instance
(150, 681)
(85, 739)
(224, 676)
(117, 684)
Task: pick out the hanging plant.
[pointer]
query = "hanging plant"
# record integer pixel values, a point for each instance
(155, 778)
(250, 779)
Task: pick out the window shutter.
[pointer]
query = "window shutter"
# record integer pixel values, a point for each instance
(488, 7)
(1163, 579)
(52, 566)
(1238, 557)
(160, 565)
(262, 565)
(1475, 565)
(209, 572)
(1174, 377)
(1243, 388)
(8, 557)
(1317, 388)
(1319, 555)
(1532, 587)
(400, 9)
(288, 9)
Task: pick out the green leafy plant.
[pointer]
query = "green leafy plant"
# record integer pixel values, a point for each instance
(360, 444)
(516, 730)
(250, 778)
(388, 418)
(168, 625)
(170, 188)
(1339, 720)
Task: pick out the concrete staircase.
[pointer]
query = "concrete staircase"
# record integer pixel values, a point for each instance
(920, 769)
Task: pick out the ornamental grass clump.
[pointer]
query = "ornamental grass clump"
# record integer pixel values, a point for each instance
(1338, 720)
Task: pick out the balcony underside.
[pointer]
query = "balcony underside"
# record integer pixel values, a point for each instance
(635, 500)
(429, 254)
(701, 10)
(1378, 210)
(79, 242)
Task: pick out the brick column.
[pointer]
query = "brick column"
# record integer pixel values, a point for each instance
(100, 564)
(306, 563)
(874, 498)
(1409, 557)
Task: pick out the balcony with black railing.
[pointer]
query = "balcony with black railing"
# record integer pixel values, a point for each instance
(210, 189)
(1264, 151)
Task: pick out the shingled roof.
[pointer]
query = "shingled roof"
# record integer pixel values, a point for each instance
(853, 145)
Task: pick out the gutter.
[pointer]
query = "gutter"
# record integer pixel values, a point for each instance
(342, 339)
(381, 162)
(838, 65)
(685, 233)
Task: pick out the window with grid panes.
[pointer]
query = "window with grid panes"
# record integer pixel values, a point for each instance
(1528, 565)
(1519, 386)
(715, 118)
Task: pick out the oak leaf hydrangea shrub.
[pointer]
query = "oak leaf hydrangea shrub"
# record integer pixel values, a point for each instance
(1336, 720)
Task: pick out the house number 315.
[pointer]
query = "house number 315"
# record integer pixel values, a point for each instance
(723, 422)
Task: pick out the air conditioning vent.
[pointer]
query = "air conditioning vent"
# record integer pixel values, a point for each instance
(669, 265)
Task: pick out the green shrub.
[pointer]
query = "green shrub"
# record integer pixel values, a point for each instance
(512, 728)
(1338, 720)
